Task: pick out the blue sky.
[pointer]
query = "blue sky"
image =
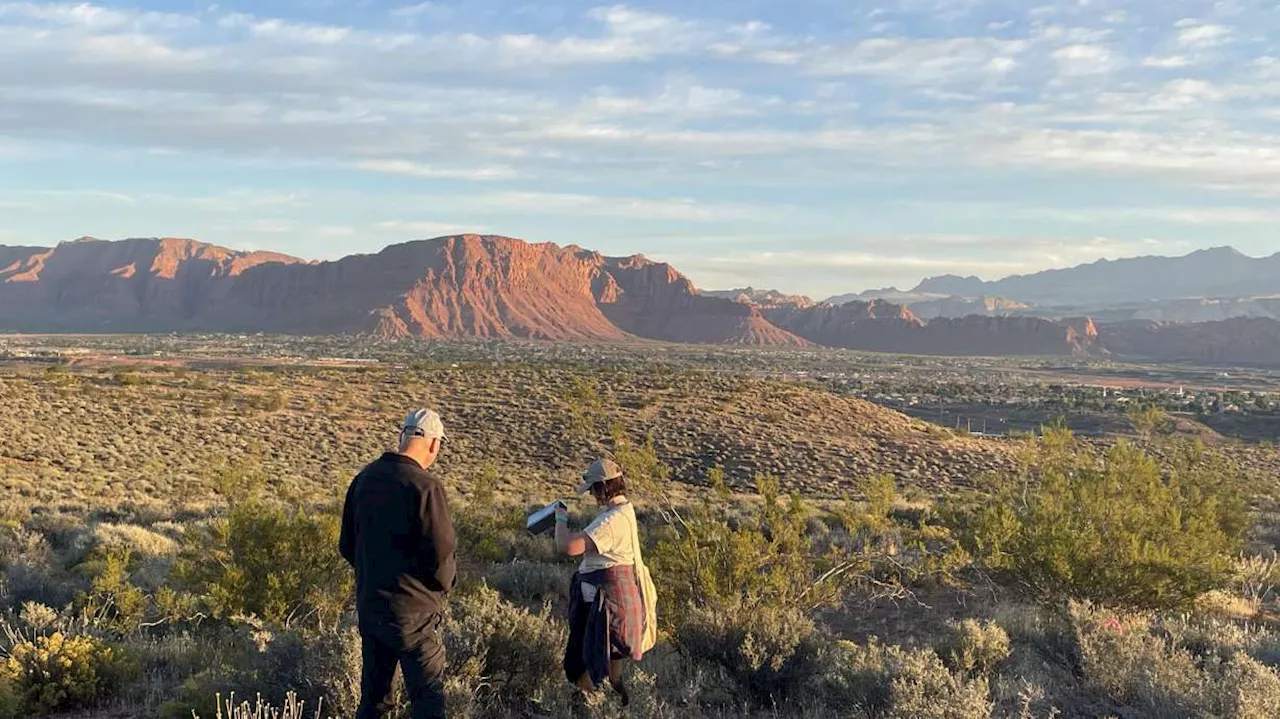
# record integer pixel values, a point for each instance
(817, 146)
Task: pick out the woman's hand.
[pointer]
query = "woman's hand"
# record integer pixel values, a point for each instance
(574, 544)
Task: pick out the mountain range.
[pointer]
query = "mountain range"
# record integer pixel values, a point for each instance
(503, 288)
(1221, 272)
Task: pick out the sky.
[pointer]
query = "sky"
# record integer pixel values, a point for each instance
(815, 146)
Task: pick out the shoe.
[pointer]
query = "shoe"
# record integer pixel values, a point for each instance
(623, 695)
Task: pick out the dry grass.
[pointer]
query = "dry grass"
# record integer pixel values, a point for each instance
(137, 463)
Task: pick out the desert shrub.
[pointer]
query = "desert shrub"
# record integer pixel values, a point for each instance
(247, 657)
(59, 673)
(486, 531)
(1141, 667)
(277, 563)
(36, 618)
(112, 598)
(975, 648)
(737, 592)
(763, 560)
(499, 650)
(1251, 690)
(10, 706)
(645, 471)
(769, 653)
(129, 379)
(1116, 531)
(321, 666)
(1257, 577)
(531, 584)
(138, 541)
(31, 570)
(897, 683)
(10, 703)
(1147, 420)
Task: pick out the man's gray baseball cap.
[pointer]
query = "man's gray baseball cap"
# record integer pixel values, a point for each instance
(424, 423)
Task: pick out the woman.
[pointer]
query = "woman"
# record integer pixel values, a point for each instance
(606, 611)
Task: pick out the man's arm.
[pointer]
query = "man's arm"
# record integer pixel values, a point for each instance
(347, 537)
(438, 536)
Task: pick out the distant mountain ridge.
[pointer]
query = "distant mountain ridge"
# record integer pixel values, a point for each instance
(764, 298)
(450, 287)
(1220, 272)
(503, 288)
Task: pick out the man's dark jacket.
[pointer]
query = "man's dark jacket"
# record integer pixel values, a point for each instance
(398, 535)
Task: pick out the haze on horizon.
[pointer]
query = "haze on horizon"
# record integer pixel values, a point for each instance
(810, 146)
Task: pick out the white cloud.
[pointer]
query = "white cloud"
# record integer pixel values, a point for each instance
(915, 61)
(900, 260)
(417, 169)
(82, 14)
(629, 100)
(299, 33)
(1207, 216)
(110, 196)
(428, 228)
(1083, 60)
(1194, 34)
(1166, 61)
(413, 10)
(640, 208)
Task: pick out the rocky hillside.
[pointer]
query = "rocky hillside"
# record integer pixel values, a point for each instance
(500, 288)
(462, 286)
(1240, 341)
(763, 298)
(131, 285)
(886, 327)
(957, 307)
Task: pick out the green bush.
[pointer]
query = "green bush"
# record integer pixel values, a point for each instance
(765, 560)
(769, 653)
(532, 584)
(1137, 663)
(60, 673)
(737, 592)
(112, 598)
(897, 683)
(496, 649)
(322, 667)
(1118, 531)
(247, 658)
(975, 648)
(1252, 690)
(10, 702)
(269, 561)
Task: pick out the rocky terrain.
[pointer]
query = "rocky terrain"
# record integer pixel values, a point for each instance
(92, 438)
(762, 298)
(885, 327)
(1242, 341)
(490, 287)
(931, 305)
(463, 286)
(957, 307)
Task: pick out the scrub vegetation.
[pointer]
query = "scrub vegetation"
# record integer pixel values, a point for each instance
(168, 546)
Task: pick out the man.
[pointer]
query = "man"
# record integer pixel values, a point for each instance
(398, 535)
